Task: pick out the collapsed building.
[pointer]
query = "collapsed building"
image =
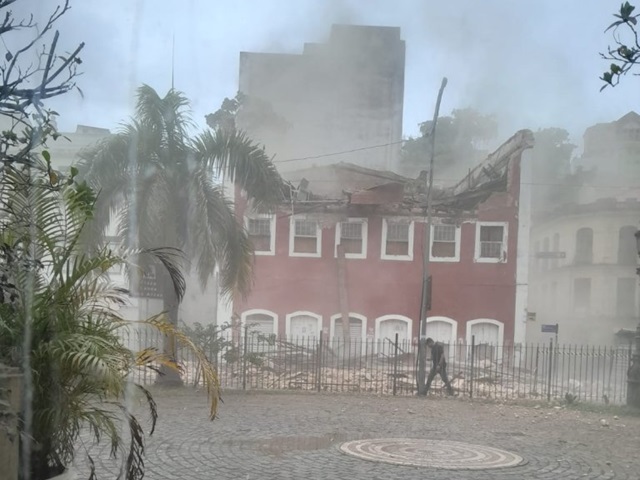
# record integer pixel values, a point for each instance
(350, 243)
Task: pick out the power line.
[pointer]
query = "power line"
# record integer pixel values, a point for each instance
(586, 185)
(340, 153)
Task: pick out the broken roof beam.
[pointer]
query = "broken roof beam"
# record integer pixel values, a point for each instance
(495, 163)
(379, 195)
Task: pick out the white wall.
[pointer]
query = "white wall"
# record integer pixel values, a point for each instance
(552, 281)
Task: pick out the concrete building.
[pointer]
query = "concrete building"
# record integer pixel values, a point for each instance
(583, 266)
(64, 151)
(303, 285)
(343, 95)
(583, 273)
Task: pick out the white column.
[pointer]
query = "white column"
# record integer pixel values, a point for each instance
(523, 255)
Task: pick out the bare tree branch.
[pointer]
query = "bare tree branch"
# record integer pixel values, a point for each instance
(27, 83)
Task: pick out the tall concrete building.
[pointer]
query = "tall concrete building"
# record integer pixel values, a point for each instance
(343, 95)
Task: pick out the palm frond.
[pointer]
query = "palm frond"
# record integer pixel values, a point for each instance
(80, 364)
(235, 156)
(166, 119)
(210, 375)
(218, 238)
(133, 468)
(173, 260)
(153, 407)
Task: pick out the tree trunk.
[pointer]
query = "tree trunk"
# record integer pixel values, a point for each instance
(169, 377)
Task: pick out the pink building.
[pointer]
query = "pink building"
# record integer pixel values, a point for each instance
(303, 286)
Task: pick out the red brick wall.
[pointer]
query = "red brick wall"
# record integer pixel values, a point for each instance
(463, 290)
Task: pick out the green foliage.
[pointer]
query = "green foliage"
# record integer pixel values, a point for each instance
(62, 324)
(459, 140)
(217, 342)
(157, 182)
(552, 153)
(551, 161)
(625, 54)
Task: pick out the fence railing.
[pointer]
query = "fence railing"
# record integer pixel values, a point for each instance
(596, 374)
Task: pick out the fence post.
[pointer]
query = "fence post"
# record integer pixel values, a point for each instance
(535, 377)
(473, 354)
(244, 357)
(395, 365)
(550, 370)
(319, 367)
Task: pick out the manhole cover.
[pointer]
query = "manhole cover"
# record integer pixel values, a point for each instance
(431, 453)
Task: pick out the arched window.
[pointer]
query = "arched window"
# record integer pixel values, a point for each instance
(443, 330)
(357, 333)
(261, 322)
(627, 250)
(555, 248)
(304, 325)
(584, 246)
(489, 336)
(261, 328)
(386, 328)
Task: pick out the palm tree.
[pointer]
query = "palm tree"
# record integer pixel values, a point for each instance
(157, 182)
(63, 327)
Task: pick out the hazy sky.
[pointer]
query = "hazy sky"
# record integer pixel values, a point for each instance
(533, 63)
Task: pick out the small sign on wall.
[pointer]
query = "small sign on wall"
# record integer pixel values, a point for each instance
(531, 316)
(550, 328)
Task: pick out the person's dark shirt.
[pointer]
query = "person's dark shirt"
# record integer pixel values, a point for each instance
(437, 351)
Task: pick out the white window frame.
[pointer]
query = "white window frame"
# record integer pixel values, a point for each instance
(505, 242)
(272, 226)
(258, 311)
(383, 247)
(456, 257)
(303, 313)
(453, 325)
(292, 236)
(338, 316)
(383, 318)
(365, 228)
(501, 341)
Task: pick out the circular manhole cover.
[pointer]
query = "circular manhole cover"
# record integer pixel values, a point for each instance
(431, 453)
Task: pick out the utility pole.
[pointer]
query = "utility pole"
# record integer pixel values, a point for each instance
(425, 303)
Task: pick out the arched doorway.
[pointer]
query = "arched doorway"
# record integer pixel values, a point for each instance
(388, 326)
(444, 330)
(489, 336)
(303, 326)
(261, 328)
(357, 333)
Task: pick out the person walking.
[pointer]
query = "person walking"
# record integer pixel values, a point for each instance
(439, 365)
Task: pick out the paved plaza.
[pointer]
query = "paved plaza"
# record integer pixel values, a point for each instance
(298, 436)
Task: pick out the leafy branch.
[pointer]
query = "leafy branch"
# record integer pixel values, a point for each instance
(626, 52)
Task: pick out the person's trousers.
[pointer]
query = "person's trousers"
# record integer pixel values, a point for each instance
(443, 375)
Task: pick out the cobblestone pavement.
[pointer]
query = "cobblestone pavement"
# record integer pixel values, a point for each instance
(297, 435)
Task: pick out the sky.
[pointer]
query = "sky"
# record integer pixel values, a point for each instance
(533, 64)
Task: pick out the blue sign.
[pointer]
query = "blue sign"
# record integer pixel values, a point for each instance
(550, 328)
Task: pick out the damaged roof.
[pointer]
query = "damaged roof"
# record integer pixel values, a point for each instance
(349, 184)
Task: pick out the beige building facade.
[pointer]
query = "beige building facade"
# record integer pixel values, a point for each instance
(584, 257)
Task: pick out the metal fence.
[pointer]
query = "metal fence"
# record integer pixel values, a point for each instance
(595, 374)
